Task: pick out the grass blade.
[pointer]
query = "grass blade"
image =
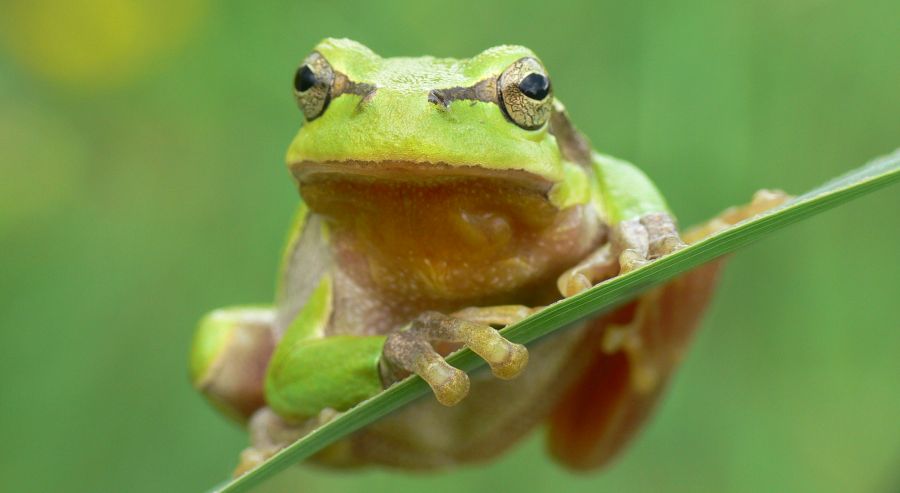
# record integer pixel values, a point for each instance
(602, 297)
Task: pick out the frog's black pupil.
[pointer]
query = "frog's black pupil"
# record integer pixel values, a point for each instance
(535, 86)
(304, 79)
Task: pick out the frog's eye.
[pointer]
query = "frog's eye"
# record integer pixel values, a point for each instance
(525, 93)
(312, 85)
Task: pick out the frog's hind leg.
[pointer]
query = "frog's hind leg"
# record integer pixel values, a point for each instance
(632, 353)
(231, 349)
(411, 350)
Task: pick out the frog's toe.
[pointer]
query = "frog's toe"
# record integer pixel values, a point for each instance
(249, 459)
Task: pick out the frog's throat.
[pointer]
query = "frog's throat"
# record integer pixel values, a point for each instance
(305, 171)
(447, 237)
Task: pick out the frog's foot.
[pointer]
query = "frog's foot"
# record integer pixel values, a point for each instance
(411, 351)
(269, 433)
(646, 238)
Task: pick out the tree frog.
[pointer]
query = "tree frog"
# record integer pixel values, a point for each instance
(443, 199)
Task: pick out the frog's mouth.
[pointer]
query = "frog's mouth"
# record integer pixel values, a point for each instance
(426, 197)
(410, 172)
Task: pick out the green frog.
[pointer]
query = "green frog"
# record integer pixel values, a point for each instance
(443, 199)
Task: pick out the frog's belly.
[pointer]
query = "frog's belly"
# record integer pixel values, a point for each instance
(494, 416)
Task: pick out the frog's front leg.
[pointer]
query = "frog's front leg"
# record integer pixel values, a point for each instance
(410, 350)
(642, 229)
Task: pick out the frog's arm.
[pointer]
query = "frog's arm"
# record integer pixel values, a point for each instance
(641, 226)
(310, 372)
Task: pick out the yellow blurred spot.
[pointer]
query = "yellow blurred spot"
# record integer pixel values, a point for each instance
(93, 43)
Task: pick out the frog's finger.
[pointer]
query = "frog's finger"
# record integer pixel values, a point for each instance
(662, 234)
(495, 315)
(596, 267)
(410, 351)
(643, 239)
(506, 359)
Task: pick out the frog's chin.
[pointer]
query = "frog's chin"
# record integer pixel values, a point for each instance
(407, 171)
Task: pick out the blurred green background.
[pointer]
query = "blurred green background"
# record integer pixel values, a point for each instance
(141, 150)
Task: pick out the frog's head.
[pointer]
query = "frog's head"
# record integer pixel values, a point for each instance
(437, 168)
(484, 116)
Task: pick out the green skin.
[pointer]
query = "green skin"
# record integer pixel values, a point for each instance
(310, 371)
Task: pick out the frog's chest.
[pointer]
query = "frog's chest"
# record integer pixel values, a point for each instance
(378, 289)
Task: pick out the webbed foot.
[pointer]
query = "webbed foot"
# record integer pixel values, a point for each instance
(410, 351)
